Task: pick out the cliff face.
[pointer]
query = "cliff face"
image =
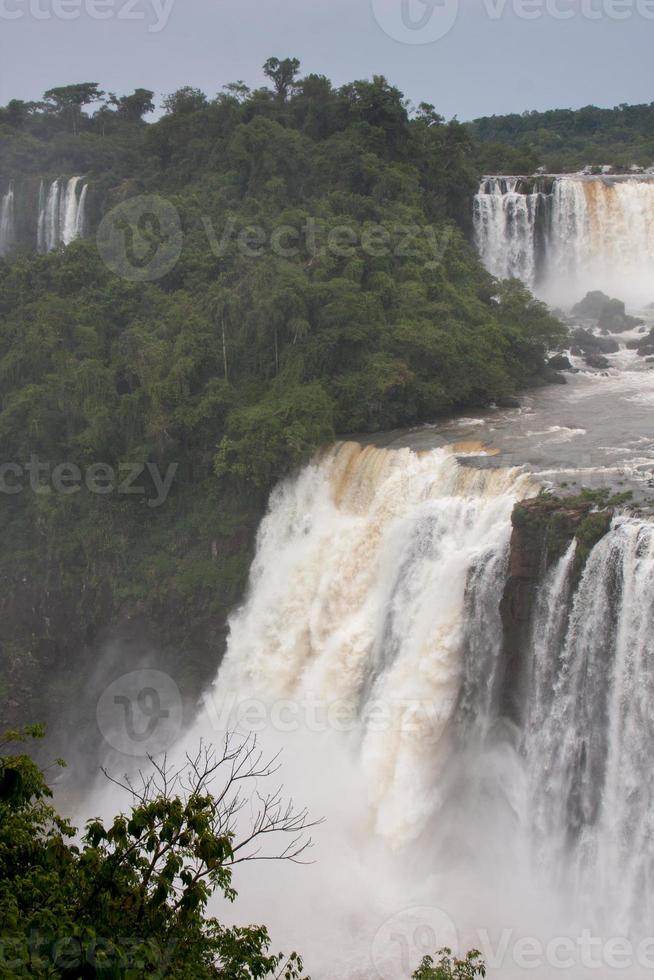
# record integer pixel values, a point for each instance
(67, 632)
(542, 531)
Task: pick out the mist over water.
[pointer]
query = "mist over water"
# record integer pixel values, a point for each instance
(564, 236)
(370, 650)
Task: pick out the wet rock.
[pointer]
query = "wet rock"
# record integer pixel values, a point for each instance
(543, 527)
(590, 343)
(644, 346)
(560, 363)
(597, 361)
(591, 306)
(552, 377)
(614, 319)
(508, 401)
(609, 314)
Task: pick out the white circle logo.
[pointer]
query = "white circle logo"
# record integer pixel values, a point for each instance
(416, 21)
(141, 713)
(404, 939)
(141, 239)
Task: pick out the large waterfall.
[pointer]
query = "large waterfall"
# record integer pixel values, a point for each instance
(61, 213)
(371, 649)
(7, 221)
(590, 728)
(566, 235)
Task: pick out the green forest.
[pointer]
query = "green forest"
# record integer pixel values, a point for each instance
(234, 366)
(565, 140)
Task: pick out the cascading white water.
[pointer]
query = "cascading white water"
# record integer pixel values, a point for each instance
(358, 599)
(61, 213)
(370, 649)
(7, 222)
(584, 233)
(505, 223)
(591, 729)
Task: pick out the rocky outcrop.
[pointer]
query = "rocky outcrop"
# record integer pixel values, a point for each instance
(560, 363)
(609, 314)
(542, 530)
(597, 361)
(644, 346)
(585, 342)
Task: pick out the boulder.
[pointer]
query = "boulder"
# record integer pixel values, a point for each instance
(560, 363)
(550, 376)
(609, 314)
(597, 361)
(590, 343)
(508, 401)
(644, 346)
(614, 319)
(591, 306)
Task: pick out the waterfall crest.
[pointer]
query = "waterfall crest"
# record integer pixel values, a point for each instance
(61, 213)
(505, 223)
(358, 597)
(7, 222)
(564, 236)
(370, 647)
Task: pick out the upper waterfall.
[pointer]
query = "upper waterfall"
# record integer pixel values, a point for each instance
(61, 213)
(7, 221)
(564, 236)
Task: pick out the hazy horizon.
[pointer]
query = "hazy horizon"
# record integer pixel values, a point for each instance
(494, 58)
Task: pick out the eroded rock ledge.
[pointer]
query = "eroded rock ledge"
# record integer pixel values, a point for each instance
(543, 528)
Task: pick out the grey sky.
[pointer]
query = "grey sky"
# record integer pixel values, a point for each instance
(494, 58)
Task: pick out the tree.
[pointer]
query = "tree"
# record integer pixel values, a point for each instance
(449, 967)
(237, 90)
(133, 107)
(185, 100)
(282, 74)
(67, 909)
(69, 100)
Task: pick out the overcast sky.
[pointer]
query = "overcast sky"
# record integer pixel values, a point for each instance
(469, 58)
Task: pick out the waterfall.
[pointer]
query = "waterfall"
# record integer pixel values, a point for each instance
(592, 728)
(505, 223)
(370, 651)
(7, 221)
(358, 598)
(567, 235)
(61, 213)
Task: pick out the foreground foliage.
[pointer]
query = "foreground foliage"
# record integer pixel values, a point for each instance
(129, 899)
